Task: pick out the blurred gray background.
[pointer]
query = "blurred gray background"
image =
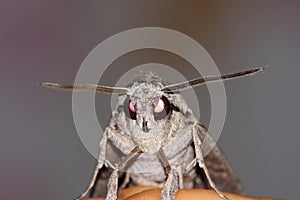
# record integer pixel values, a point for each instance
(41, 154)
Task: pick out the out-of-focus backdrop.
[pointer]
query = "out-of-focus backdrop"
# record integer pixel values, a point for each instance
(41, 154)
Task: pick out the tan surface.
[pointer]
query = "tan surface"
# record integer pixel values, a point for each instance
(152, 193)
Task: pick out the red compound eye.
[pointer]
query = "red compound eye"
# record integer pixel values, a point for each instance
(129, 109)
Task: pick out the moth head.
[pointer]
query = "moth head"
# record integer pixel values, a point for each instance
(147, 106)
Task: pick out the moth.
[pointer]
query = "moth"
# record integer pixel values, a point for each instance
(154, 128)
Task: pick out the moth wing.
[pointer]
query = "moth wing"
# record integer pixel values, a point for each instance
(218, 167)
(100, 187)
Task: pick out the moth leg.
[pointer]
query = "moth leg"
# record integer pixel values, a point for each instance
(200, 160)
(180, 175)
(126, 180)
(193, 163)
(171, 186)
(113, 179)
(119, 141)
(101, 160)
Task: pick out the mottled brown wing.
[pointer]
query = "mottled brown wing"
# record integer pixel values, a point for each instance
(219, 168)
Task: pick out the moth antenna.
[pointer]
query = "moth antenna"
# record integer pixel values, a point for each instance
(210, 79)
(86, 87)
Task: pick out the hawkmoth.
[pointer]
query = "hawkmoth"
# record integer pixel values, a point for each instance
(153, 127)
